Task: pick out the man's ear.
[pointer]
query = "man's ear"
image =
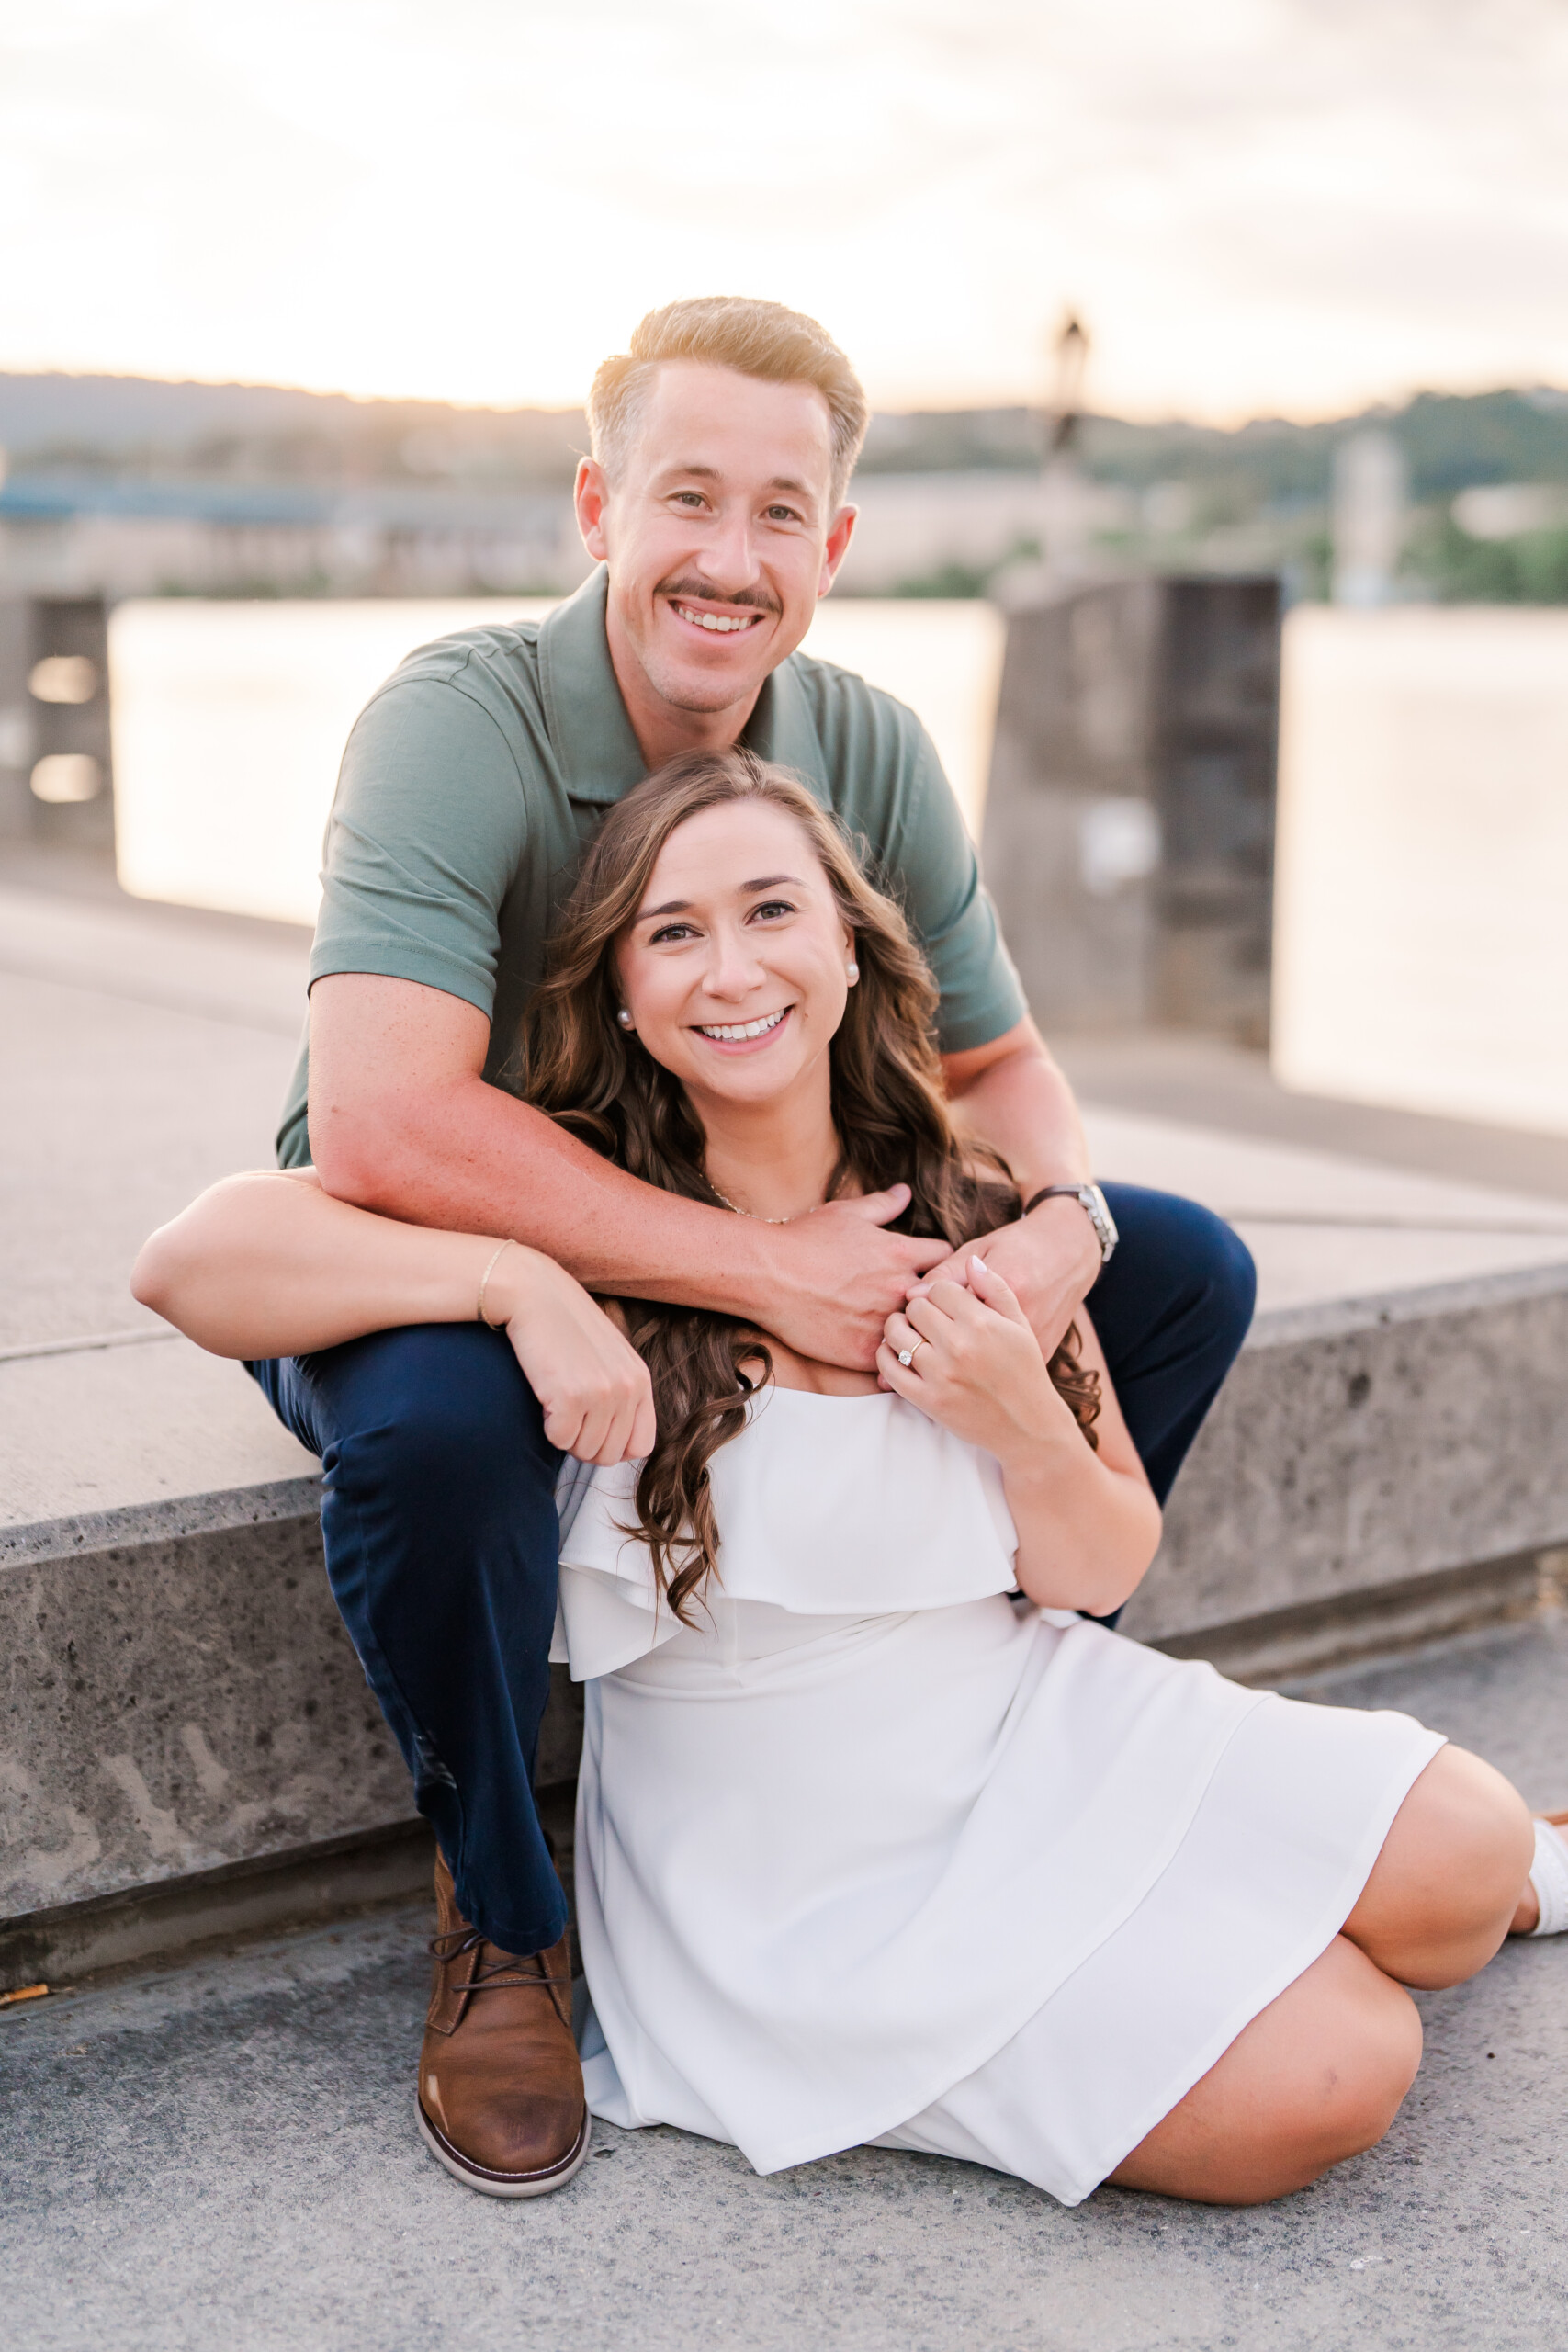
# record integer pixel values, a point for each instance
(841, 531)
(590, 496)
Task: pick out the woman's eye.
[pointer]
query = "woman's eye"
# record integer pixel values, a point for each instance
(669, 931)
(774, 906)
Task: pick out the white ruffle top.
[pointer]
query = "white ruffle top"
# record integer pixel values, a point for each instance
(946, 1534)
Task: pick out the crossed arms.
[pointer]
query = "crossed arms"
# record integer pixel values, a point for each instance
(403, 1125)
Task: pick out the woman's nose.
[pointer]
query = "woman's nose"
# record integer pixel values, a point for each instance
(735, 968)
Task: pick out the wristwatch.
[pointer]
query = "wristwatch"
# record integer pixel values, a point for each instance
(1095, 1206)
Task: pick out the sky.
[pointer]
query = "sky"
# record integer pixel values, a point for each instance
(1287, 207)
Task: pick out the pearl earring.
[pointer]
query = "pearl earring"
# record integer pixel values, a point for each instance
(624, 1017)
(851, 972)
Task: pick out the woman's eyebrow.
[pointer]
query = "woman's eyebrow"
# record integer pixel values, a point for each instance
(682, 906)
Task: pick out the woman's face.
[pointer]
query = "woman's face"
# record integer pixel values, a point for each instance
(734, 969)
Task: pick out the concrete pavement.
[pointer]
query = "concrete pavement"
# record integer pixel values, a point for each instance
(224, 2154)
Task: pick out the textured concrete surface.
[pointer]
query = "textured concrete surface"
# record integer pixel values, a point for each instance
(1359, 1444)
(1174, 1074)
(1324, 1226)
(225, 2153)
(148, 1732)
(112, 1428)
(118, 1112)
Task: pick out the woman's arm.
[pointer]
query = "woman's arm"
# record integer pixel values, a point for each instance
(270, 1265)
(1088, 1524)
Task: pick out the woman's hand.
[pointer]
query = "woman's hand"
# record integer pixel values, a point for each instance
(977, 1367)
(270, 1265)
(593, 1387)
(1088, 1525)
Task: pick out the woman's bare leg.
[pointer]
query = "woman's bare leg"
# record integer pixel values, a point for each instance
(1317, 2076)
(1452, 1878)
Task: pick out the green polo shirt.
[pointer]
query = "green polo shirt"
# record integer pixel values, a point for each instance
(474, 778)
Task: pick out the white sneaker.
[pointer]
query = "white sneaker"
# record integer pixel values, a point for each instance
(1549, 1874)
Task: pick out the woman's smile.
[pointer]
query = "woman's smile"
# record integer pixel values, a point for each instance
(732, 1037)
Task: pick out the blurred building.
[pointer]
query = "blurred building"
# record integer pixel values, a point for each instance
(69, 534)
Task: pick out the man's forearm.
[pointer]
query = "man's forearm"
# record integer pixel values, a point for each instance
(472, 1158)
(1023, 1106)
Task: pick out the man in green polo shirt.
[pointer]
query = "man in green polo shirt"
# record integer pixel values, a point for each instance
(714, 506)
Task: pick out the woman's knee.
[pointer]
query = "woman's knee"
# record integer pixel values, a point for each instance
(1351, 2077)
(1316, 2077)
(1444, 1889)
(1340, 2059)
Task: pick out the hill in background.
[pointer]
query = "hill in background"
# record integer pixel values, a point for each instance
(1176, 494)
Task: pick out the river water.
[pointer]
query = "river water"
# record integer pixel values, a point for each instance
(1422, 954)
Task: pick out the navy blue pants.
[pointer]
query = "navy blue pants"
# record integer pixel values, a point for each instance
(438, 1515)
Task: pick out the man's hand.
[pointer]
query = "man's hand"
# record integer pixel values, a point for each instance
(835, 1277)
(1049, 1260)
(593, 1387)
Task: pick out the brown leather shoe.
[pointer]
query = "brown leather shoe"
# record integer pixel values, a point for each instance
(501, 2101)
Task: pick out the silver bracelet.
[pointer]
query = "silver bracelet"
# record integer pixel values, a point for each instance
(496, 1256)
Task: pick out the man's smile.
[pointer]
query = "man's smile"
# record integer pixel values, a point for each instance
(716, 623)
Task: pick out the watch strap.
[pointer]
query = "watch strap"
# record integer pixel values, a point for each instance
(1094, 1206)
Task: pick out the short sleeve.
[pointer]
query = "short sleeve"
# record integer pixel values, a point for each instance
(931, 855)
(427, 832)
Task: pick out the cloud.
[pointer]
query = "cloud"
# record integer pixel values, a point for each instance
(1293, 205)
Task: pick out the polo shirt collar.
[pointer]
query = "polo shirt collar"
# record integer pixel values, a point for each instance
(782, 729)
(600, 757)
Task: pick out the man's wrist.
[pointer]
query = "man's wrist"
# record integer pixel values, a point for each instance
(1094, 1206)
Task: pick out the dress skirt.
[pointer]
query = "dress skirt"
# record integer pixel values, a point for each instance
(970, 1880)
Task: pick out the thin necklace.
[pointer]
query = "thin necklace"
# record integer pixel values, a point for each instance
(729, 1203)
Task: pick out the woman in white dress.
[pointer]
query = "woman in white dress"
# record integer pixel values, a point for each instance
(878, 1837)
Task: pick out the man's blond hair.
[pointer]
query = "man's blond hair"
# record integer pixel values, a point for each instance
(760, 339)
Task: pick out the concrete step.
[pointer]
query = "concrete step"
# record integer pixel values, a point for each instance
(183, 1710)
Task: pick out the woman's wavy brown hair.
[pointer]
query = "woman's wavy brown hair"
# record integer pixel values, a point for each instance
(889, 1103)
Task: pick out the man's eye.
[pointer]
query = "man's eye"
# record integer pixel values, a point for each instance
(689, 498)
(782, 515)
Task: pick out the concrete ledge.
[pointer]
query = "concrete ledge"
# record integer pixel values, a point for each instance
(303, 1887)
(1324, 1635)
(1361, 1445)
(185, 1737)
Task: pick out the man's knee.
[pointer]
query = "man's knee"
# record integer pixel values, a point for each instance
(1216, 1268)
(438, 1416)
(1188, 1260)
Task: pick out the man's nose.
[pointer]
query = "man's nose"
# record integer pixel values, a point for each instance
(729, 553)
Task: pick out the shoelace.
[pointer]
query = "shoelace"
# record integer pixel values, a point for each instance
(489, 1975)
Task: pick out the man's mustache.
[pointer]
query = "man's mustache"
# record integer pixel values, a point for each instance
(748, 599)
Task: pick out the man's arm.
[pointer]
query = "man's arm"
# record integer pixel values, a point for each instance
(1012, 1095)
(402, 1120)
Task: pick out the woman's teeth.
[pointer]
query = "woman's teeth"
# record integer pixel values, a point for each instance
(734, 1036)
(722, 623)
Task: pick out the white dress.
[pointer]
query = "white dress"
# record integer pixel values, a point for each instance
(878, 1854)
